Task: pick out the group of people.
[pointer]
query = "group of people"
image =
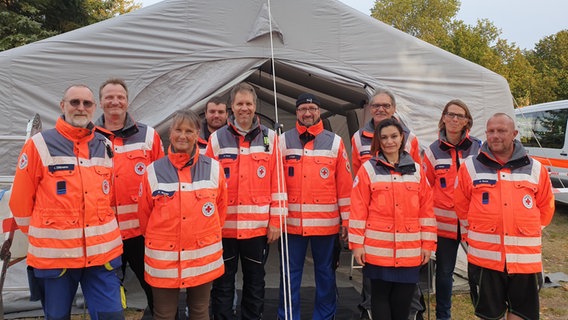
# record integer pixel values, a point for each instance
(94, 196)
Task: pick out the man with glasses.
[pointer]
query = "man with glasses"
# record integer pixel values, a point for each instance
(382, 105)
(61, 200)
(135, 146)
(318, 181)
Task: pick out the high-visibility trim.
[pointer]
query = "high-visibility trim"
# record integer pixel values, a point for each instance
(408, 253)
(313, 207)
(129, 224)
(253, 209)
(22, 221)
(313, 222)
(523, 258)
(523, 241)
(484, 254)
(344, 201)
(378, 235)
(356, 238)
(162, 254)
(93, 162)
(53, 253)
(201, 252)
(357, 224)
(484, 237)
(138, 146)
(128, 208)
(279, 211)
(282, 196)
(429, 236)
(380, 252)
(49, 233)
(104, 247)
(427, 222)
(227, 150)
(446, 227)
(445, 213)
(161, 273)
(197, 271)
(407, 237)
(101, 229)
(231, 224)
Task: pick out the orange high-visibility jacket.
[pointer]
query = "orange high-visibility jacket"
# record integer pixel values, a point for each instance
(135, 146)
(361, 145)
(506, 206)
(391, 213)
(318, 181)
(183, 210)
(61, 198)
(255, 197)
(441, 163)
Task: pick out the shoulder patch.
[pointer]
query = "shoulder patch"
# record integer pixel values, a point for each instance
(23, 162)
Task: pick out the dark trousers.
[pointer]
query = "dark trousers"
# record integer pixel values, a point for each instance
(253, 253)
(446, 254)
(133, 254)
(391, 300)
(197, 300)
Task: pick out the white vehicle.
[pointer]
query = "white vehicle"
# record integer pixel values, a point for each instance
(542, 130)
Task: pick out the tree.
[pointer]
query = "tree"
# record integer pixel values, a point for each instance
(26, 21)
(550, 59)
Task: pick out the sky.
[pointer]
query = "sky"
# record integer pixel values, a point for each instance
(523, 22)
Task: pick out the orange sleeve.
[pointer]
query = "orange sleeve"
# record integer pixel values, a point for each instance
(344, 184)
(545, 198)
(427, 216)
(462, 196)
(222, 196)
(355, 159)
(157, 147)
(360, 200)
(145, 203)
(279, 201)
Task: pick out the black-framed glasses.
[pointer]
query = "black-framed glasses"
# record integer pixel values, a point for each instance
(75, 103)
(310, 109)
(452, 115)
(385, 106)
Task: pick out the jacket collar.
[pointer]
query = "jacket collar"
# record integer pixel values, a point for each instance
(181, 160)
(406, 164)
(74, 133)
(464, 144)
(130, 128)
(518, 159)
(251, 134)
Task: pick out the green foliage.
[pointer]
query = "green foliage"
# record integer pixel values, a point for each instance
(26, 21)
(534, 76)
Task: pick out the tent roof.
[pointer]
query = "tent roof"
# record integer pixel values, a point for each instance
(177, 53)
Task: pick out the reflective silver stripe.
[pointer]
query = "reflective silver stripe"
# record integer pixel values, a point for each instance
(523, 241)
(484, 237)
(447, 227)
(484, 254)
(533, 177)
(279, 196)
(45, 156)
(400, 237)
(357, 224)
(168, 187)
(313, 207)
(445, 213)
(22, 221)
(278, 211)
(129, 224)
(161, 273)
(289, 152)
(201, 252)
(378, 235)
(523, 258)
(132, 147)
(48, 233)
(429, 236)
(248, 209)
(345, 215)
(296, 222)
(464, 223)
(315, 222)
(380, 252)
(344, 201)
(428, 222)
(227, 150)
(408, 253)
(161, 254)
(128, 208)
(103, 162)
(229, 224)
(53, 253)
(104, 247)
(471, 170)
(356, 238)
(102, 229)
(197, 271)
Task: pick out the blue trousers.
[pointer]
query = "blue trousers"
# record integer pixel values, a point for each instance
(322, 248)
(100, 285)
(446, 254)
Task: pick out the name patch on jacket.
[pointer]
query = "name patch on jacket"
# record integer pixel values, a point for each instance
(484, 181)
(442, 166)
(60, 167)
(162, 193)
(293, 157)
(231, 156)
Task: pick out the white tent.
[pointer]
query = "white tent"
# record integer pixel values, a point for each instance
(177, 53)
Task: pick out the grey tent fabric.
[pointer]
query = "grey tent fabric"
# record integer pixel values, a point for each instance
(177, 53)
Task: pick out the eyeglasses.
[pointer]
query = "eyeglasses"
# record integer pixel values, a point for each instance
(310, 109)
(452, 115)
(75, 103)
(385, 106)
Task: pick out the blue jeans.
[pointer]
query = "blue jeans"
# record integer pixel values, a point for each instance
(325, 304)
(446, 255)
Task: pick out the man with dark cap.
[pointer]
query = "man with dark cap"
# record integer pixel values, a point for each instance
(318, 180)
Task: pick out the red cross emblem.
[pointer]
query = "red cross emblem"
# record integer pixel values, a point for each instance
(528, 201)
(261, 172)
(324, 173)
(208, 209)
(106, 187)
(23, 161)
(140, 168)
